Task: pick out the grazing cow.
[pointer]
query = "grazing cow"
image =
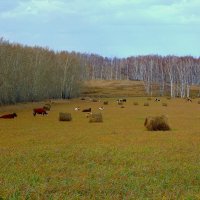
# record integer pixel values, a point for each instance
(101, 108)
(87, 110)
(121, 100)
(77, 108)
(9, 116)
(157, 99)
(188, 99)
(88, 114)
(40, 111)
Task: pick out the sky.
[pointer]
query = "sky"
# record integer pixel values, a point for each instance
(109, 28)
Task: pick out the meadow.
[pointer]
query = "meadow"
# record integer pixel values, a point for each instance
(43, 158)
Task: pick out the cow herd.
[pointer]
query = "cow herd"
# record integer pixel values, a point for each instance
(43, 110)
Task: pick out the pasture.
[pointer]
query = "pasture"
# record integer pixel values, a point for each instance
(43, 158)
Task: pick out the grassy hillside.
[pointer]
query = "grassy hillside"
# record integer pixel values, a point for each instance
(117, 88)
(124, 88)
(42, 158)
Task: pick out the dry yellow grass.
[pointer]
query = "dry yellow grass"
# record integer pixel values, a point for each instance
(41, 158)
(113, 88)
(124, 88)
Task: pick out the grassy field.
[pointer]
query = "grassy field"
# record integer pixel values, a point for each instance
(121, 88)
(42, 158)
(116, 88)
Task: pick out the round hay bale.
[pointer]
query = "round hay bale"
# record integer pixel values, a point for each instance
(96, 117)
(47, 107)
(135, 103)
(146, 104)
(158, 123)
(105, 103)
(65, 116)
(164, 104)
(95, 100)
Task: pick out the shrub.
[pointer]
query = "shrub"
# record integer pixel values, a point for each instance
(164, 104)
(146, 104)
(158, 123)
(135, 103)
(96, 117)
(65, 116)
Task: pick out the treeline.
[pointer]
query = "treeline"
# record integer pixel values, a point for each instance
(173, 75)
(35, 73)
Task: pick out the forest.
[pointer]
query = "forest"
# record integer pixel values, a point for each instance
(37, 73)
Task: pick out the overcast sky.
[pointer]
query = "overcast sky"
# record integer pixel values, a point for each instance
(107, 27)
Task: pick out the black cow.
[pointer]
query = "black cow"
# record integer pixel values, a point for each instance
(87, 110)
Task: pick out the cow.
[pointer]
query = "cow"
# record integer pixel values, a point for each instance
(188, 99)
(9, 116)
(88, 114)
(121, 100)
(87, 110)
(156, 99)
(40, 111)
(101, 108)
(77, 108)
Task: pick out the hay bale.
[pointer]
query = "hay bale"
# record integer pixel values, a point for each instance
(65, 116)
(105, 103)
(158, 123)
(135, 103)
(95, 100)
(96, 117)
(164, 104)
(146, 104)
(47, 107)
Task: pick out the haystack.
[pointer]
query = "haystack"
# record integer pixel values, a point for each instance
(149, 98)
(164, 104)
(95, 100)
(158, 123)
(65, 116)
(96, 117)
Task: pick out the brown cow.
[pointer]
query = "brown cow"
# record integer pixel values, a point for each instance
(9, 116)
(40, 111)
